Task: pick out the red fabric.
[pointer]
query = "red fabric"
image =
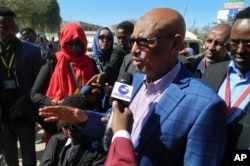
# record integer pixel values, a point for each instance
(62, 82)
(121, 153)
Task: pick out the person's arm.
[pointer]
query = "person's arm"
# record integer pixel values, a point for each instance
(49, 157)
(41, 84)
(115, 62)
(121, 151)
(111, 72)
(89, 122)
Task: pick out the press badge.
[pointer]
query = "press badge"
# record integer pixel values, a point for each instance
(9, 84)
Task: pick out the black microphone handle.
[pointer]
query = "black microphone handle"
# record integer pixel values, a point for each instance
(108, 134)
(127, 78)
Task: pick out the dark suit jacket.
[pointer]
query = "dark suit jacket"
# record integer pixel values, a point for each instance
(239, 130)
(127, 66)
(114, 64)
(121, 153)
(196, 59)
(56, 153)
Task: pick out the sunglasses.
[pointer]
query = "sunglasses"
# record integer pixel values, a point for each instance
(74, 43)
(146, 42)
(106, 37)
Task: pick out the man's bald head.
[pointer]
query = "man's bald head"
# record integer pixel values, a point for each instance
(224, 28)
(163, 21)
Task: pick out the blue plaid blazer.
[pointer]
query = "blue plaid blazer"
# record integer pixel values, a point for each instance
(187, 127)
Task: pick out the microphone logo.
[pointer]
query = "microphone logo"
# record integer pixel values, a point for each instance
(123, 89)
(122, 92)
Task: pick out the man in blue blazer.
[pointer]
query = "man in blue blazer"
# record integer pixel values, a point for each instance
(178, 120)
(20, 63)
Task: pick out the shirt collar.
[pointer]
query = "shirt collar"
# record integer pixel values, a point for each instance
(232, 69)
(160, 84)
(69, 141)
(201, 66)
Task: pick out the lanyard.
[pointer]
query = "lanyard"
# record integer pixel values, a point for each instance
(77, 81)
(244, 94)
(10, 64)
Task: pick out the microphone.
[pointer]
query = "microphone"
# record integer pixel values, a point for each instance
(122, 92)
(86, 90)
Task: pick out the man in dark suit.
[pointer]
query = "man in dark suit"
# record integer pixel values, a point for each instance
(231, 80)
(20, 63)
(214, 49)
(178, 120)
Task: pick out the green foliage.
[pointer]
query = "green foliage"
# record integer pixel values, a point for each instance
(42, 15)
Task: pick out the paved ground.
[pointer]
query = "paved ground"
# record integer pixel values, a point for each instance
(39, 148)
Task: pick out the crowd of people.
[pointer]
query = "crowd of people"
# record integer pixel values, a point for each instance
(185, 110)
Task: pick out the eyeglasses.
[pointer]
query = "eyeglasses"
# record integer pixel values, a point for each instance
(74, 43)
(146, 42)
(107, 37)
(233, 46)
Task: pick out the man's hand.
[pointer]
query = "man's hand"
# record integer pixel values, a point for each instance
(122, 119)
(19, 107)
(67, 114)
(98, 80)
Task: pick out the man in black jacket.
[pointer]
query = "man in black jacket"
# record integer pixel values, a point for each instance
(20, 63)
(231, 80)
(214, 49)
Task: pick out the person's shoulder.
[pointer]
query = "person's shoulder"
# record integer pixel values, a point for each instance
(194, 84)
(120, 50)
(222, 64)
(94, 60)
(27, 46)
(117, 48)
(196, 57)
(59, 136)
(216, 70)
(128, 57)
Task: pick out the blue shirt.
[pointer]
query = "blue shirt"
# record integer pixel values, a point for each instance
(237, 86)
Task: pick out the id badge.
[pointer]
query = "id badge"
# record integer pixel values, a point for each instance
(9, 84)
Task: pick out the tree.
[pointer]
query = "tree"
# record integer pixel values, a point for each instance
(36, 13)
(51, 18)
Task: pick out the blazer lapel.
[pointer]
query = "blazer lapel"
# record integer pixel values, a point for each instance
(215, 74)
(137, 82)
(170, 100)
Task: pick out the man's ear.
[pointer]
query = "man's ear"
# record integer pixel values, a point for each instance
(177, 42)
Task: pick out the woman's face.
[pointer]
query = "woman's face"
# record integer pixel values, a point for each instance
(74, 47)
(105, 39)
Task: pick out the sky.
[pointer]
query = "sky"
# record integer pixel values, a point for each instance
(197, 13)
